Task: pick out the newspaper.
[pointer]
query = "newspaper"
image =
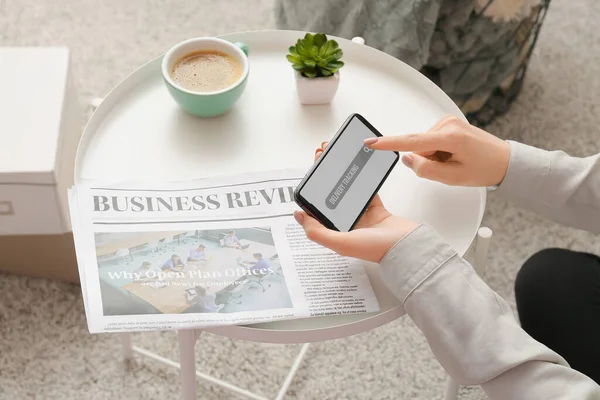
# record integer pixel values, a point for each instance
(208, 252)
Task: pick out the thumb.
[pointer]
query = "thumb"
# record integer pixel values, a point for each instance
(445, 172)
(318, 233)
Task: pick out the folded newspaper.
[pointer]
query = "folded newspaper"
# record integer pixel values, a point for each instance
(208, 252)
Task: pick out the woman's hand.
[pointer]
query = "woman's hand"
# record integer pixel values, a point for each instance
(374, 234)
(476, 158)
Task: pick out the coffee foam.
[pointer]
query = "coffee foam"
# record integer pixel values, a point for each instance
(206, 71)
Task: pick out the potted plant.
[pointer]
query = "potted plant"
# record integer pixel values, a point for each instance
(316, 61)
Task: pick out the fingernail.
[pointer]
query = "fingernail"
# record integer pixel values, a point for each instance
(371, 140)
(299, 217)
(318, 152)
(323, 144)
(407, 160)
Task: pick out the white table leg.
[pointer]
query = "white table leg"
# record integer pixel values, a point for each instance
(451, 390)
(96, 102)
(187, 362)
(292, 373)
(482, 248)
(127, 348)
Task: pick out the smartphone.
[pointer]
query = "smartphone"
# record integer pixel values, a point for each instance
(343, 181)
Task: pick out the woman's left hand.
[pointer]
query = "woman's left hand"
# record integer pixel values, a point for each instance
(373, 236)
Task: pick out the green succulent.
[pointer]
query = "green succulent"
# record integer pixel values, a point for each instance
(315, 56)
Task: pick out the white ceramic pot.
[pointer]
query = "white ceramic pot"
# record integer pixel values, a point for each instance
(317, 90)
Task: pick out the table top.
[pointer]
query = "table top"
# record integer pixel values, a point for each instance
(138, 125)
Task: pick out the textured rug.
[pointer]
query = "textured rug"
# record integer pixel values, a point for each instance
(45, 349)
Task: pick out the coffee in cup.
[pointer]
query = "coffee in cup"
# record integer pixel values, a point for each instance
(206, 71)
(206, 76)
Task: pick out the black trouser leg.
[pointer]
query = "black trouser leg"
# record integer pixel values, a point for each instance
(558, 300)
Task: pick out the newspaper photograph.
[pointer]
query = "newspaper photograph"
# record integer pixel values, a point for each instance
(209, 252)
(190, 272)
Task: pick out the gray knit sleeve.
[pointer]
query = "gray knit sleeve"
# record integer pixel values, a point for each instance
(555, 185)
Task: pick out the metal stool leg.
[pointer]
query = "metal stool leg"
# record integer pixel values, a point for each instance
(127, 347)
(482, 248)
(95, 103)
(451, 390)
(292, 373)
(187, 362)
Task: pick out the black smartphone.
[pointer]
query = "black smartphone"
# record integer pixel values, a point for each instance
(343, 181)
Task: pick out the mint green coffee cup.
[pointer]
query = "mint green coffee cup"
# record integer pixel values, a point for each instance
(206, 104)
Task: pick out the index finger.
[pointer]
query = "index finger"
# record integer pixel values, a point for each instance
(413, 142)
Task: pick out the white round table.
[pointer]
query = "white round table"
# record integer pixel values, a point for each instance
(138, 131)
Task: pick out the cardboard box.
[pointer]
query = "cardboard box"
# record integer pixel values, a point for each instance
(40, 128)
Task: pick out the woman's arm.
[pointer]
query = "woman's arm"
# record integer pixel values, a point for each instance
(551, 183)
(562, 188)
(471, 330)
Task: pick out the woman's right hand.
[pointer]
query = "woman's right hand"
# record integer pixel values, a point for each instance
(477, 157)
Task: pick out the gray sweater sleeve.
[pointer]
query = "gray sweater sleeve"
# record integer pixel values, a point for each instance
(470, 329)
(555, 185)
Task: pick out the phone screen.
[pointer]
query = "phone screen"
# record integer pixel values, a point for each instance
(348, 175)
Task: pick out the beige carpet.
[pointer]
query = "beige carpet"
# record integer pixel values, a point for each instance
(45, 349)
